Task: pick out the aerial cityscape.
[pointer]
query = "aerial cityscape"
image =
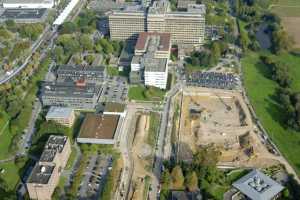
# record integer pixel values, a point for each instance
(149, 99)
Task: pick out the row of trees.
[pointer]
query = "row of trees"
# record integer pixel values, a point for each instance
(192, 176)
(208, 58)
(289, 99)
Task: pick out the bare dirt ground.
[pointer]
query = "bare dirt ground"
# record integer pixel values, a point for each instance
(292, 26)
(141, 152)
(222, 118)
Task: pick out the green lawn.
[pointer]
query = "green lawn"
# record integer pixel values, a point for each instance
(261, 92)
(142, 93)
(5, 140)
(10, 175)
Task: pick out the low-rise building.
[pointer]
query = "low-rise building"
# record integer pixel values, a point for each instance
(61, 115)
(112, 108)
(79, 95)
(91, 74)
(24, 15)
(29, 3)
(99, 129)
(44, 177)
(258, 186)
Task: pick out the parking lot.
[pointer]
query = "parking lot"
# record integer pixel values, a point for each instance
(213, 80)
(94, 178)
(115, 89)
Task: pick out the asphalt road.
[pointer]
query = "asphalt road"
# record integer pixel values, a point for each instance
(34, 47)
(159, 153)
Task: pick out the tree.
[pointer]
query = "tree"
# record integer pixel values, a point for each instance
(89, 59)
(191, 181)
(281, 41)
(58, 54)
(244, 40)
(69, 44)
(106, 46)
(166, 180)
(86, 42)
(177, 177)
(67, 28)
(206, 156)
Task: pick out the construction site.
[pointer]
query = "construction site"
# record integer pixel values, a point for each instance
(220, 117)
(142, 154)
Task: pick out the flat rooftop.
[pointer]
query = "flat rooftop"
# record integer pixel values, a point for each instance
(258, 186)
(40, 174)
(23, 13)
(114, 107)
(27, 1)
(69, 89)
(79, 68)
(155, 64)
(55, 144)
(163, 41)
(99, 126)
(56, 112)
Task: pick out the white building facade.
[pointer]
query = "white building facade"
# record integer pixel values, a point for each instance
(32, 4)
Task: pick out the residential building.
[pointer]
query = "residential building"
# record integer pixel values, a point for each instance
(44, 177)
(91, 74)
(79, 95)
(61, 115)
(127, 23)
(152, 52)
(29, 3)
(186, 27)
(99, 129)
(258, 186)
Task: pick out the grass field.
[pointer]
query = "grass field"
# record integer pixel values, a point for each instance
(10, 175)
(286, 8)
(141, 93)
(5, 136)
(261, 91)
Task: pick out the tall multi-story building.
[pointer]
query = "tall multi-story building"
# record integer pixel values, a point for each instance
(126, 24)
(152, 52)
(186, 27)
(44, 177)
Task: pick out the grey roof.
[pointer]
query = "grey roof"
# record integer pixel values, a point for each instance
(258, 186)
(69, 89)
(79, 68)
(155, 64)
(59, 112)
(24, 13)
(40, 174)
(54, 145)
(27, 1)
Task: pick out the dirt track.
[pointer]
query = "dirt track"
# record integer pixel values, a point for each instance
(141, 152)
